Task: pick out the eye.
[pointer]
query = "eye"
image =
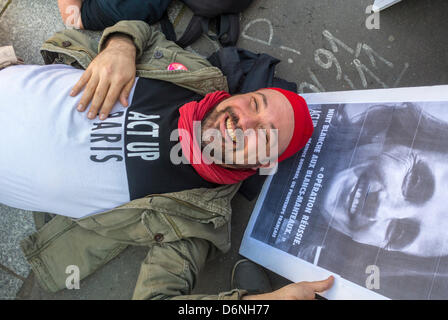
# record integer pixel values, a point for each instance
(401, 232)
(256, 104)
(418, 184)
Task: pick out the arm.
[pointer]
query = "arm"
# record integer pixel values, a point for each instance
(295, 291)
(71, 13)
(109, 77)
(169, 271)
(146, 40)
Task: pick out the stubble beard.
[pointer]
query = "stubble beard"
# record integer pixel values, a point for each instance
(207, 123)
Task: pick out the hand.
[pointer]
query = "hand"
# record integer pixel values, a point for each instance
(109, 77)
(296, 291)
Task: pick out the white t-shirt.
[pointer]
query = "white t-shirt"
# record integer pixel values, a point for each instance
(46, 146)
(54, 159)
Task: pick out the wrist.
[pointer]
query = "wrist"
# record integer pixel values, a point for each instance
(264, 296)
(120, 41)
(248, 297)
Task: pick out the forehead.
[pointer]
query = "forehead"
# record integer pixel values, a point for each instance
(278, 105)
(433, 211)
(276, 98)
(280, 115)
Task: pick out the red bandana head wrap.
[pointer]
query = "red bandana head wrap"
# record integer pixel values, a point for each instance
(303, 125)
(195, 111)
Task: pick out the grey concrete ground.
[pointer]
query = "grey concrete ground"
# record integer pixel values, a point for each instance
(320, 43)
(14, 225)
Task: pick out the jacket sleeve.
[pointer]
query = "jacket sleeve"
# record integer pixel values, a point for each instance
(140, 32)
(170, 270)
(148, 40)
(70, 46)
(79, 48)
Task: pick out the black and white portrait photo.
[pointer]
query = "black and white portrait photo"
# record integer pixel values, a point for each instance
(370, 189)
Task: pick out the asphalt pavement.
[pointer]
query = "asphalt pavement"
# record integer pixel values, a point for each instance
(321, 44)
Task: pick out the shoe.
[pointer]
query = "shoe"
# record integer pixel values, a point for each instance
(251, 277)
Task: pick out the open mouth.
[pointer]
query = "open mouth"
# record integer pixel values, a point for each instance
(363, 199)
(357, 196)
(230, 129)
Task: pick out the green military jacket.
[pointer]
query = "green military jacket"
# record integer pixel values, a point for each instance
(182, 230)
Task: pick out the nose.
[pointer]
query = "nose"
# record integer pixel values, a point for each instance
(247, 122)
(248, 119)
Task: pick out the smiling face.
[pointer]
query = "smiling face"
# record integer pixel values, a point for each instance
(396, 201)
(261, 117)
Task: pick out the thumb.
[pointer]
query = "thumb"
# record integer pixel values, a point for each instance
(323, 285)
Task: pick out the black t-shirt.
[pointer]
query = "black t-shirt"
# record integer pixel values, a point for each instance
(150, 120)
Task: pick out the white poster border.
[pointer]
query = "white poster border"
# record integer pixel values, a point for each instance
(296, 269)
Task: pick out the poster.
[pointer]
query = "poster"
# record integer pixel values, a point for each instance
(366, 200)
(379, 5)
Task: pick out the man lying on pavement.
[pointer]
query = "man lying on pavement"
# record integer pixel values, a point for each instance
(143, 170)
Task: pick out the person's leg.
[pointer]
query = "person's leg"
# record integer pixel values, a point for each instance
(87, 243)
(8, 57)
(62, 243)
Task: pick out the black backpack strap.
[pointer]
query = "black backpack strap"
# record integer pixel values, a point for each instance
(228, 26)
(193, 31)
(167, 27)
(229, 29)
(205, 23)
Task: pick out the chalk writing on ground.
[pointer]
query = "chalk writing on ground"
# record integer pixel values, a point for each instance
(363, 59)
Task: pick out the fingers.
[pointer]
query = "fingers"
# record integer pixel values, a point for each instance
(110, 77)
(320, 286)
(124, 96)
(88, 93)
(98, 98)
(104, 95)
(109, 101)
(81, 83)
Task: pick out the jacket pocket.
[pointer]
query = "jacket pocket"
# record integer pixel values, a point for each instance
(172, 206)
(122, 225)
(160, 227)
(159, 59)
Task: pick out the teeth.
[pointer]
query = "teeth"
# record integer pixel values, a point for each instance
(356, 200)
(230, 129)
